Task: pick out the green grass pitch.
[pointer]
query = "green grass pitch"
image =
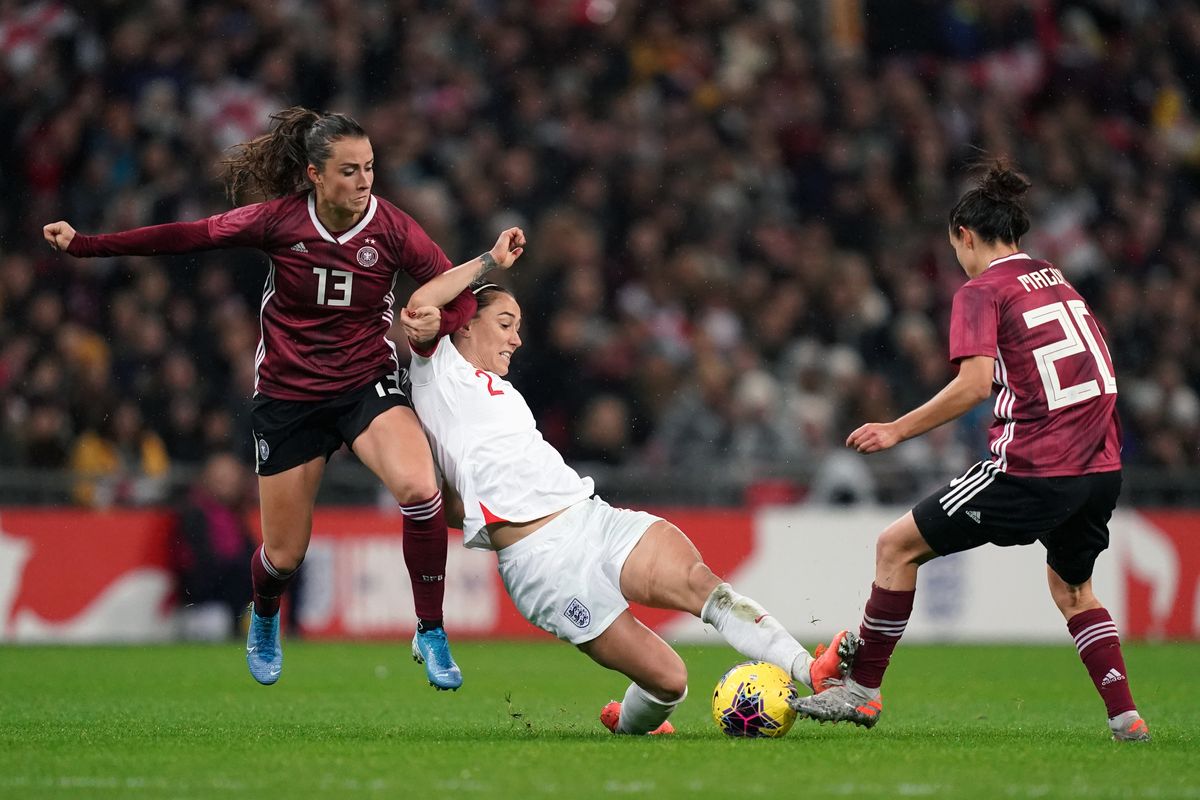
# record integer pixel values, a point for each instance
(356, 720)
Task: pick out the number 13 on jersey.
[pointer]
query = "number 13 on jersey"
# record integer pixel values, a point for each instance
(340, 284)
(1072, 318)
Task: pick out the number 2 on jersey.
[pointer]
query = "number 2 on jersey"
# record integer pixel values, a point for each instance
(1071, 317)
(488, 377)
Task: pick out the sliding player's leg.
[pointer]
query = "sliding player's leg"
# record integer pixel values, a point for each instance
(665, 570)
(658, 675)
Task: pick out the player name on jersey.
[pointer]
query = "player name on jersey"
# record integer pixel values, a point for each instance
(1042, 279)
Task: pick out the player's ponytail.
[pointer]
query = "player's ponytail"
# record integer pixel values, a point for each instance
(993, 208)
(275, 164)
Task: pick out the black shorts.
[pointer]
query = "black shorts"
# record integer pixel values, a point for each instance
(288, 433)
(1069, 515)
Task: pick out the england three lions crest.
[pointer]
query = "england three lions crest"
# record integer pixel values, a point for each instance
(578, 613)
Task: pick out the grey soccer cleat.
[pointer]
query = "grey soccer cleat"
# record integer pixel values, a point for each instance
(1129, 727)
(839, 704)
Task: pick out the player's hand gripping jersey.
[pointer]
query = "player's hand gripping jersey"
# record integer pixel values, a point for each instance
(487, 444)
(327, 303)
(1054, 385)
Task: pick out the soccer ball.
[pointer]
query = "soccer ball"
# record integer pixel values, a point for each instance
(751, 700)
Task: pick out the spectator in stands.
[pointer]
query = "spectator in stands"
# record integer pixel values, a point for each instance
(120, 461)
(211, 546)
(745, 175)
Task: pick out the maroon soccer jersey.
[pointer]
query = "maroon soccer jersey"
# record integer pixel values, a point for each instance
(327, 303)
(1055, 391)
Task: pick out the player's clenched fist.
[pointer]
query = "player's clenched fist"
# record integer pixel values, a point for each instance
(421, 324)
(59, 235)
(509, 247)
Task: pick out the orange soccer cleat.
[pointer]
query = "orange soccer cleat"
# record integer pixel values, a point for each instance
(610, 715)
(832, 663)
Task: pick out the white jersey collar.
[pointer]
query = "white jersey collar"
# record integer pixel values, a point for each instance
(1013, 257)
(348, 235)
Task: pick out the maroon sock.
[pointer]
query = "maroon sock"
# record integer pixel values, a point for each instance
(884, 619)
(1099, 648)
(425, 556)
(269, 583)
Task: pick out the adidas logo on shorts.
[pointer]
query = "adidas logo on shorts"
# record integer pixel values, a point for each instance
(975, 515)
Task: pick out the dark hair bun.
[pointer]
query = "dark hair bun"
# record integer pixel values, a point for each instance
(1003, 184)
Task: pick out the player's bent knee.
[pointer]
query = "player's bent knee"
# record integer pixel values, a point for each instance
(670, 684)
(888, 548)
(285, 559)
(900, 544)
(414, 489)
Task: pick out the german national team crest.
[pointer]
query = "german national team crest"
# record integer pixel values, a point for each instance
(578, 614)
(368, 256)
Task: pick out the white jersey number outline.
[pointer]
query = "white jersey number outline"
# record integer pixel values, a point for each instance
(1070, 316)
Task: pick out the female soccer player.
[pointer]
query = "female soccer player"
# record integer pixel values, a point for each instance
(570, 561)
(325, 373)
(1020, 331)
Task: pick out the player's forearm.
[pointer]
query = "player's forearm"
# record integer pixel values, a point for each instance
(171, 238)
(443, 288)
(955, 399)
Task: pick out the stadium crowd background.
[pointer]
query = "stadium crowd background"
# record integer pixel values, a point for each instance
(736, 211)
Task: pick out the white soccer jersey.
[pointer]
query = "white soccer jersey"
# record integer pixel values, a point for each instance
(487, 444)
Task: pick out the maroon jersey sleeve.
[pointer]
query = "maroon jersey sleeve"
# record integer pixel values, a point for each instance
(974, 321)
(424, 260)
(241, 227)
(458, 312)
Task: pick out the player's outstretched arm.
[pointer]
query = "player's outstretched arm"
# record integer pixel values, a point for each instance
(167, 239)
(445, 287)
(971, 386)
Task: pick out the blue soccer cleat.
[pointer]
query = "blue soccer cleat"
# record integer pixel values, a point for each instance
(432, 649)
(264, 654)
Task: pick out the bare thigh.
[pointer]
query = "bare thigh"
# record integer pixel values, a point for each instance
(638, 653)
(286, 504)
(665, 570)
(394, 447)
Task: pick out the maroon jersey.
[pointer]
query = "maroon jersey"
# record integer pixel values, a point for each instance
(327, 303)
(1056, 394)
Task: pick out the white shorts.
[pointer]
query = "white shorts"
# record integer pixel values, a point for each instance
(566, 577)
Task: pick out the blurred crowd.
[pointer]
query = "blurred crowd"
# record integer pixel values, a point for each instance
(736, 209)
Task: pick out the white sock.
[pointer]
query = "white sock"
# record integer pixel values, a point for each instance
(642, 712)
(754, 633)
(1118, 722)
(863, 694)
